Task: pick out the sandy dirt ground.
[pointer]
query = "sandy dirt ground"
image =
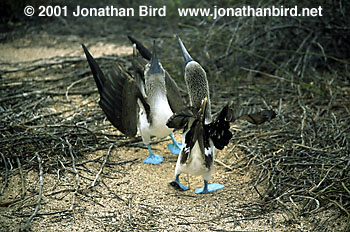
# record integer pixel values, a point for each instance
(132, 196)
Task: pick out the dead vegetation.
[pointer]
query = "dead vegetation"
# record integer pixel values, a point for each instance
(51, 125)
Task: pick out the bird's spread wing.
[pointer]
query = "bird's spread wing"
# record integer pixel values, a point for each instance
(250, 114)
(259, 117)
(138, 64)
(175, 100)
(119, 100)
(181, 119)
(219, 128)
(97, 73)
(118, 96)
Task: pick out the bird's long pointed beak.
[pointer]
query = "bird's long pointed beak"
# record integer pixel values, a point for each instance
(203, 107)
(204, 103)
(155, 66)
(185, 53)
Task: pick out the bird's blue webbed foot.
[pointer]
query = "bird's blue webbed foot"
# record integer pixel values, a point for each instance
(209, 188)
(152, 158)
(176, 184)
(175, 147)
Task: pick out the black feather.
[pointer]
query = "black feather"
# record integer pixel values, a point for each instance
(179, 120)
(95, 69)
(118, 96)
(219, 130)
(198, 132)
(259, 117)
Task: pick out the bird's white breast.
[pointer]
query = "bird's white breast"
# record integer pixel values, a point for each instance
(195, 164)
(161, 112)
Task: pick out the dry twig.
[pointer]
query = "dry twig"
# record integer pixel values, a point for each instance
(37, 206)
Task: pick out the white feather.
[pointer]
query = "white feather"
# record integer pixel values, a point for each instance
(195, 164)
(160, 113)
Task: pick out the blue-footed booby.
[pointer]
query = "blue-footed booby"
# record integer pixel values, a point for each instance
(144, 101)
(202, 133)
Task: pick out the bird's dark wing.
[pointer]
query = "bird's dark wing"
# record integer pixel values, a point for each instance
(180, 120)
(219, 129)
(95, 69)
(175, 100)
(138, 65)
(249, 114)
(137, 69)
(119, 100)
(259, 117)
(118, 96)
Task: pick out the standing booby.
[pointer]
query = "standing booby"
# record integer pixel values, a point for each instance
(139, 102)
(172, 90)
(201, 133)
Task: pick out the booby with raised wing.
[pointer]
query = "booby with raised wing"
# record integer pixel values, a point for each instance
(202, 133)
(139, 102)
